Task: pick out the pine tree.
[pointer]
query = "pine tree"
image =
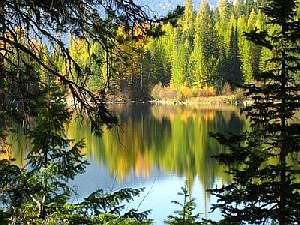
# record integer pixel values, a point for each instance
(179, 64)
(205, 49)
(239, 8)
(185, 215)
(231, 65)
(249, 53)
(53, 161)
(222, 9)
(159, 63)
(187, 42)
(188, 16)
(264, 161)
(181, 67)
(245, 50)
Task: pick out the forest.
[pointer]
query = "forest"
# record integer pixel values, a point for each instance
(187, 54)
(68, 59)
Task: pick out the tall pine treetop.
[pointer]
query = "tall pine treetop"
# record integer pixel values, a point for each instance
(188, 15)
(280, 11)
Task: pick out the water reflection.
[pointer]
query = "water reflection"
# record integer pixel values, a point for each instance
(173, 139)
(154, 146)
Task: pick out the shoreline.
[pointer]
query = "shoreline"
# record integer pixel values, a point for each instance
(232, 100)
(207, 100)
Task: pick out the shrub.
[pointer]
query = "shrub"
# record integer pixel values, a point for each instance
(226, 90)
(170, 93)
(163, 93)
(205, 91)
(239, 96)
(157, 91)
(184, 93)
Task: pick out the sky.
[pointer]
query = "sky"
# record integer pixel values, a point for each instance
(162, 7)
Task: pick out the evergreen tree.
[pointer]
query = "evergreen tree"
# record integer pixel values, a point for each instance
(188, 16)
(159, 63)
(168, 41)
(230, 64)
(222, 26)
(222, 9)
(205, 50)
(239, 8)
(249, 53)
(52, 162)
(263, 161)
(245, 50)
(179, 64)
(187, 42)
(185, 215)
(249, 5)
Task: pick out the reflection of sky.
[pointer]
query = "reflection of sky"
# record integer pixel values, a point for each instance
(161, 7)
(153, 152)
(160, 190)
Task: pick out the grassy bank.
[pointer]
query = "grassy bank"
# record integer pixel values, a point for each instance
(205, 100)
(205, 95)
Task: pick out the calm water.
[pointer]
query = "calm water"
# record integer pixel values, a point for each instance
(158, 148)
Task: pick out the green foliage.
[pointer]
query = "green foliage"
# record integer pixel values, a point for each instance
(90, 56)
(185, 215)
(51, 163)
(101, 202)
(35, 81)
(204, 61)
(173, 16)
(179, 66)
(39, 193)
(112, 220)
(205, 48)
(160, 62)
(188, 15)
(208, 48)
(263, 161)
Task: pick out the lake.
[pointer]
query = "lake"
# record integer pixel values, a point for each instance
(157, 147)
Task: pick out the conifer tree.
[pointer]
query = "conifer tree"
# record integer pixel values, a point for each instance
(53, 160)
(264, 161)
(230, 66)
(239, 8)
(221, 9)
(245, 50)
(187, 41)
(205, 50)
(188, 15)
(181, 64)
